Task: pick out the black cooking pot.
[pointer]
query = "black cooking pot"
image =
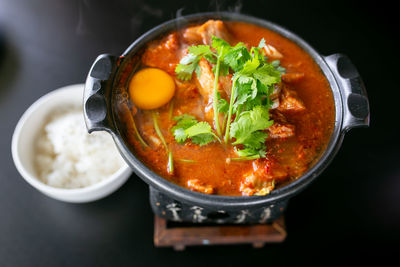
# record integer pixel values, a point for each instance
(179, 204)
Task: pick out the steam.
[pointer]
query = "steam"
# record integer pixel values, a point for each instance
(179, 12)
(134, 15)
(179, 15)
(143, 11)
(155, 12)
(81, 28)
(221, 5)
(214, 5)
(237, 8)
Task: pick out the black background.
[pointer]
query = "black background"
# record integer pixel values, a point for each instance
(349, 215)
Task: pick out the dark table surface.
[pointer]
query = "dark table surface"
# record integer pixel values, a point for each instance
(350, 214)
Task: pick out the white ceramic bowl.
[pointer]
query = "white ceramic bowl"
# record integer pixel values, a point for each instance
(22, 149)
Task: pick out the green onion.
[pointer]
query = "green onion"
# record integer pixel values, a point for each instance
(232, 100)
(187, 160)
(132, 121)
(170, 166)
(245, 158)
(138, 135)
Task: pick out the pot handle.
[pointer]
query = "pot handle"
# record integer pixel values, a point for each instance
(354, 95)
(97, 92)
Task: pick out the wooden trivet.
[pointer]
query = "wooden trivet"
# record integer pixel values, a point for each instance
(180, 235)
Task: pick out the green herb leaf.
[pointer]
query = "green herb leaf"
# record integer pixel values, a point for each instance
(190, 62)
(179, 134)
(251, 152)
(199, 128)
(220, 45)
(267, 75)
(202, 139)
(222, 104)
(237, 56)
(185, 118)
(248, 130)
(184, 121)
(184, 72)
(188, 127)
(200, 50)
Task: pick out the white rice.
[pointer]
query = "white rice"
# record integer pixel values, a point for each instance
(68, 157)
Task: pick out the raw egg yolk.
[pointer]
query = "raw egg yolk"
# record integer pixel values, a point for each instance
(151, 88)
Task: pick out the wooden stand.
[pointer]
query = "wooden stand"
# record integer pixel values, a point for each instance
(179, 235)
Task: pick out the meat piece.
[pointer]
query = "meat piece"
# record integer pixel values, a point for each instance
(289, 101)
(248, 188)
(275, 96)
(203, 33)
(281, 128)
(205, 82)
(154, 140)
(261, 179)
(197, 185)
(276, 92)
(185, 90)
(275, 103)
(149, 134)
(163, 53)
(285, 99)
(272, 52)
(187, 100)
(127, 117)
(292, 77)
(225, 84)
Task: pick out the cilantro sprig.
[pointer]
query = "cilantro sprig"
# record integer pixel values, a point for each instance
(190, 62)
(248, 131)
(187, 127)
(247, 113)
(222, 57)
(251, 87)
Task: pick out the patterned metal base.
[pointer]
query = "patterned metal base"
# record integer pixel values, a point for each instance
(173, 210)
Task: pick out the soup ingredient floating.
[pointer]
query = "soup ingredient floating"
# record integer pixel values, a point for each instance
(170, 165)
(188, 127)
(253, 82)
(69, 157)
(151, 88)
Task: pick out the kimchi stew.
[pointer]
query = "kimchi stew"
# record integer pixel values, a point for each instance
(226, 108)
